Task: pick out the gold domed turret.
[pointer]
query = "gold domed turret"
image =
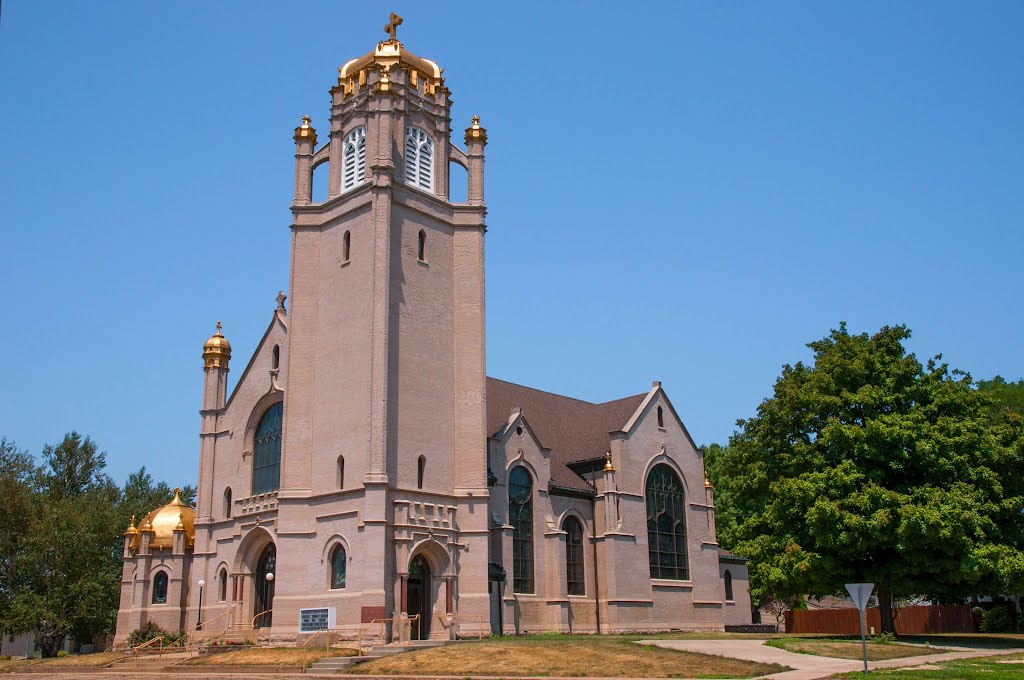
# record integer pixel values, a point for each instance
(217, 350)
(475, 133)
(390, 53)
(164, 521)
(305, 131)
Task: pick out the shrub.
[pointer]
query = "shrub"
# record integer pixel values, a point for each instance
(149, 631)
(885, 638)
(997, 620)
(61, 653)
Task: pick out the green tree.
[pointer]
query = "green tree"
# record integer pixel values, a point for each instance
(1005, 397)
(869, 466)
(141, 495)
(730, 510)
(17, 478)
(67, 572)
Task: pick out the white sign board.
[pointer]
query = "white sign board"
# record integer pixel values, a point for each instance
(312, 620)
(861, 593)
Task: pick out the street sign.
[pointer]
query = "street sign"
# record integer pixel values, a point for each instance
(861, 593)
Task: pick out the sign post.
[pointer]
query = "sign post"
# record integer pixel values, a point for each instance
(861, 593)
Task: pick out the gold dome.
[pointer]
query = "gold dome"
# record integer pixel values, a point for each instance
(163, 522)
(217, 350)
(390, 53)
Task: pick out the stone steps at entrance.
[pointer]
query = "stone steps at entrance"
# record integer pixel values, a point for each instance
(336, 664)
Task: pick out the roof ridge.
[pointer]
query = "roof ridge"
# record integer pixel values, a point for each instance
(534, 389)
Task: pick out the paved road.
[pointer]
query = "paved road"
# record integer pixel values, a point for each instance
(806, 666)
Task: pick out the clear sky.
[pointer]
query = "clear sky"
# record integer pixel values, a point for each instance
(686, 192)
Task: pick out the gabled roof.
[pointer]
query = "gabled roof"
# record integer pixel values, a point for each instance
(572, 429)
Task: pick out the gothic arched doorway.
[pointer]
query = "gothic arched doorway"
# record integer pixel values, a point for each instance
(263, 581)
(419, 597)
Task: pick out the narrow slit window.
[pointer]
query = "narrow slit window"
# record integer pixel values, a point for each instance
(222, 593)
(421, 248)
(421, 467)
(277, 357)
(354, 159)
(227, 502)
(346, 246)
(341, 472)
(661, 417)
(728, 586)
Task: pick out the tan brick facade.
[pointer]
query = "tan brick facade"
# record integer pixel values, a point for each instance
(390, 446)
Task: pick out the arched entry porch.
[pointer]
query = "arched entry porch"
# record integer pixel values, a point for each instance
(254, 579)
(427, 580)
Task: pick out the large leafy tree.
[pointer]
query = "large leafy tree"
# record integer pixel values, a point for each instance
(68, 569)
(17, 478)
(868, 466)
(1005, 398)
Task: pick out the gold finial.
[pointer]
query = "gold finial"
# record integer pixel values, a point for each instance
(219, 328)
(707, 483)
(475, 133)
(305, 131)
(391, 28)
(306, 120)
(131, 531)
(608, 467)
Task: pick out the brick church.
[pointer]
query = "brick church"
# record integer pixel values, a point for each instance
(364, 468)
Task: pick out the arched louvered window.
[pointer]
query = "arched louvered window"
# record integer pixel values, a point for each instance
(353, 167)
(421, 467)
(222, 592)
(266, 458)
(227, 502)
(419, 159)
(666, 524)
(338, 565)
(728, 585)
(520, 516)
(573, 556)
(160, 588)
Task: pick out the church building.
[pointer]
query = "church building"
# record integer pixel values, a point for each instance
(363, 467)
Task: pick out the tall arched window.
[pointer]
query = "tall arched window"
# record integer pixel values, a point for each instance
(421, 467)
(160, 588)
(661, 417)
(227, 502)
(573, 556)
(421, 248)
(353, 166)
(341, 472)
(276, 363)
(728, 585)
(520, 516)
(338, 560)
(419, 158)
(266, 458)
(222, 591)
(666, 524)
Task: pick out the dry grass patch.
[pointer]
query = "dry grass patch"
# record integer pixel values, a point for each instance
(79, 660)
(851, 649)
(268, 656)
(573, 657)
(11, 665)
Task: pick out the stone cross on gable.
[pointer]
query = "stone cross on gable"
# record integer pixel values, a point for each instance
(281, 297)
(391, 28)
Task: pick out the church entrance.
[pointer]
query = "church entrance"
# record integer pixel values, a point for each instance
(419, 597)
(263, 581)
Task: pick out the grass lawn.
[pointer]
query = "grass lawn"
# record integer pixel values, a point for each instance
(12, 665)
(71, 661)
(564, 656)
(851, 649)
(267, 656)
(1008, 667)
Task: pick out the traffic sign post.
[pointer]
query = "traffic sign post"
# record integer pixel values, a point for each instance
(861, 593)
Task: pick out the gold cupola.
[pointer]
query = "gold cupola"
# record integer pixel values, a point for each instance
(424, 75)
(475, 133)
(217, 350)
(164, 521)
(306, 131)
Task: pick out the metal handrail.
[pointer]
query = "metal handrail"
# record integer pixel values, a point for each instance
(364, 627)
(253, 624)
(204, 624)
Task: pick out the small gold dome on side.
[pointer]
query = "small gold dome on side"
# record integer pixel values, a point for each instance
(217, 350)
(306, 131)
(475, 133)
(164, 521)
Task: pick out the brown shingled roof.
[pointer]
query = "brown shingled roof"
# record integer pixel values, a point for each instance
(572, 429)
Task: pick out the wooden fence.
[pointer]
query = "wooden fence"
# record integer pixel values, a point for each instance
(909, 620)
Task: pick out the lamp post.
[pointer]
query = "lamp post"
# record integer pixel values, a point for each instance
(199, 619)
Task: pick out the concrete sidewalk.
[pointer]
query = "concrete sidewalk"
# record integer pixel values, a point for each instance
(807, 666)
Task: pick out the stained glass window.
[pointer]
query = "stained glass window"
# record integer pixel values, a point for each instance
(520, 516)
(728, 585)
(666, 525)
(266, 459)
(160, 588)
(573, 556)
(338, 563)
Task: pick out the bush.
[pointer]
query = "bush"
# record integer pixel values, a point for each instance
(61, 653)
(885, 638)
(997, 620)
(150, 631)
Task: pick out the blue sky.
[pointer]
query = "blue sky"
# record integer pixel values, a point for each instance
(686, 192)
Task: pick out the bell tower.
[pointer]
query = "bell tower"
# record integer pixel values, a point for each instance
(386, 340)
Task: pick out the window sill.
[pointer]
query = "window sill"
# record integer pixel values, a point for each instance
(422, 262)
(345, 263)
(670, 583)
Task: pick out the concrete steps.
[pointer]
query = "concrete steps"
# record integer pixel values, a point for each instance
(337, 664)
